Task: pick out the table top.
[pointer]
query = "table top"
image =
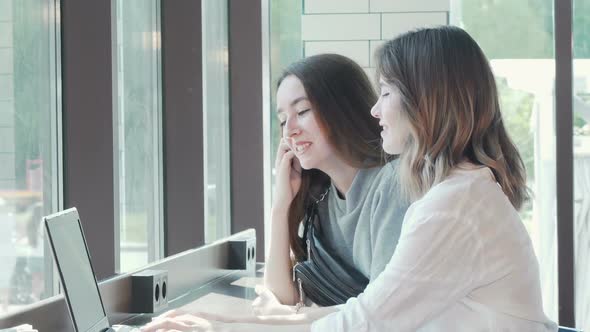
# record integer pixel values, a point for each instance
(232, 293)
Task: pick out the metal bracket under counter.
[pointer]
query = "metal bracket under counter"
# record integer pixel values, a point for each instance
(188, 272)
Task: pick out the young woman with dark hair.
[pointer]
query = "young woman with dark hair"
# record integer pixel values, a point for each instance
(330, 152)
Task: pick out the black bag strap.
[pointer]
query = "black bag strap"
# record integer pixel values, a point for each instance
(325, 278)
(310, 215)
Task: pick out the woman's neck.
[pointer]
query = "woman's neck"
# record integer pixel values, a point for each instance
(342, 176)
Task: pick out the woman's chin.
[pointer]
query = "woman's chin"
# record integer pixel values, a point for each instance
(306, 167)
(387, 149)
(306, 164)
(391, 149)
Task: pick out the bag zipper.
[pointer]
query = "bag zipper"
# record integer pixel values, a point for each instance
(319, 287)
(301, 294)
(294, 266)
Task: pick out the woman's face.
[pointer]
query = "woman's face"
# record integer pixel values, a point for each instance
(300, 126)
(388, 109)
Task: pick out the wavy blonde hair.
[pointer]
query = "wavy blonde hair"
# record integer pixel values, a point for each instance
(450, 100)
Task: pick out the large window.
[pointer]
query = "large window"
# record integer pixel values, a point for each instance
(522, 58)
(285, 46)
(29, 149)
(581, 118)
(216, 170)
(138, 136)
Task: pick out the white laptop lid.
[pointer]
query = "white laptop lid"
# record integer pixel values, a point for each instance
(75, 269)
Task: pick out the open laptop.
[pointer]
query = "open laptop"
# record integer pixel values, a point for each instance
(77, 274)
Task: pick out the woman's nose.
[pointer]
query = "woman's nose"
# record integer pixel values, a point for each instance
(375, 111)
(291, 129)
(292, 132)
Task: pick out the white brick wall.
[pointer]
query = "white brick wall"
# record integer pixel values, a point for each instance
(5, 34)
(6, 61)
(7, 141)
(373, 46)
(7, 156)
(6, 114)
(7, 166)
(356, 28)
(370, 71)
(6, 87)
(396, 6)
(7, 184)
(356, 50)
(395, 24)
(5, 10)
(336, 6)
(330, 27)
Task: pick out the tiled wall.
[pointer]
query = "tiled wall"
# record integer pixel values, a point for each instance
(355, 28)
(7, 174)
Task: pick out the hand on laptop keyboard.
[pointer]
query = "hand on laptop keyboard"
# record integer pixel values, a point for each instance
(125, 328)
(20, 328)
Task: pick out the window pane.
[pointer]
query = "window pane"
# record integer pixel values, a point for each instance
(138, 136)
(28, 148)
(285, 47)
(521, 54)
(216, 119)
(581, 117)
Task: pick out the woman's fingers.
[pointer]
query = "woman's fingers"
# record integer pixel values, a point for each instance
(184, 322)
(287, 180)
(283, 147)
(24, 328)
(296, 166)
(227, 318)
(259, 289)
(171, 313)
(286, 163)
(265, 295)
(267, 304)
(169, 323)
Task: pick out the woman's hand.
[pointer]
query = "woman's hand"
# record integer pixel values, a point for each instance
(23, 328)
(288, 176)
(267, 304)
(180, 321)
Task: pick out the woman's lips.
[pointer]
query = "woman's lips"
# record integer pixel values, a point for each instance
(301, 147)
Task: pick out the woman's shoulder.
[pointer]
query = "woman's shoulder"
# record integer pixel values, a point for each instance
(463, 192)
(385, 195)
(382, 177)
(370, 181)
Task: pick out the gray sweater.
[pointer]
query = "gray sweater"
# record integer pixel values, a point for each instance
(363, 229)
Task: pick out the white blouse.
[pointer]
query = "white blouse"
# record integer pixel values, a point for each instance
(464, 262)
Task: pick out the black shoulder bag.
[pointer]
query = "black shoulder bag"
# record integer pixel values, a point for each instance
(323, 277)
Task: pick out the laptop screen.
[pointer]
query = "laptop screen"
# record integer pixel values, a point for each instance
(73, 261)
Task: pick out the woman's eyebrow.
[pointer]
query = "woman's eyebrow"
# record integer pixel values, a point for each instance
(293, 103)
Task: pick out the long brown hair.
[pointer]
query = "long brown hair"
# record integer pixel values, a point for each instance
(450, 99)
(341, 95)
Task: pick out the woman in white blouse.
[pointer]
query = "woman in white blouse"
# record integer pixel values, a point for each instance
(464, 261)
